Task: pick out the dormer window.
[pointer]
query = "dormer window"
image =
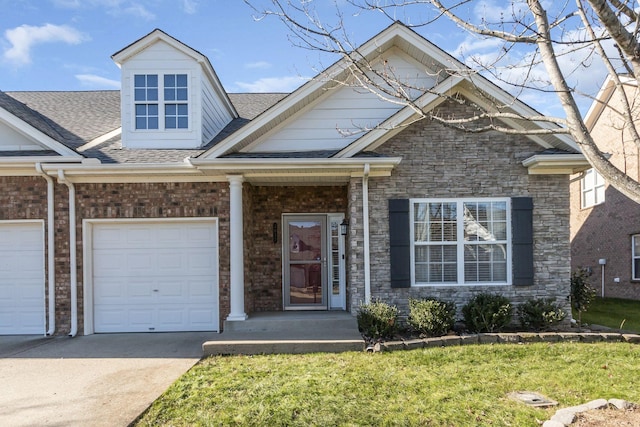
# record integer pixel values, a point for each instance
(176, 109)
(150, 99)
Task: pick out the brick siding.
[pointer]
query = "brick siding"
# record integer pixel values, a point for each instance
(265, 258)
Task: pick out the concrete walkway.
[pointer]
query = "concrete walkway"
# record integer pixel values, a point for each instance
(96, 380)
(289, 332)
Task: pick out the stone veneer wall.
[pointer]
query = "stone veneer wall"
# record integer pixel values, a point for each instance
(269, 203)
(440, 162)
(156, 200)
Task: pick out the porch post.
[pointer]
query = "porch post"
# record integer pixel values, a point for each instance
(236, 242)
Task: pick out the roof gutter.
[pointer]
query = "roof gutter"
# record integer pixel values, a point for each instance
(73, 274)
(556, 164)
(51, 247)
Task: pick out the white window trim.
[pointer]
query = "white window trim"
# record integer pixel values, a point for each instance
(635, 275)
(592, 176)
(460, 238)
(161, 102)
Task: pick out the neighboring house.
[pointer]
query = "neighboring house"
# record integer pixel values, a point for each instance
(605, 224)
(174, 206)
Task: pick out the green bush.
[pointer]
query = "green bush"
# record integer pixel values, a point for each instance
(431, 317)
(540, 314)
(377, 320)
(487, 313)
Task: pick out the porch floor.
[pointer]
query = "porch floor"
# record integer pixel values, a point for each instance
(288, 332)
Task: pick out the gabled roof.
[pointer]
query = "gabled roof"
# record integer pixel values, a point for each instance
(602, 99)
(157, 35)
(37, 127)
(77, 120)
(433, 58)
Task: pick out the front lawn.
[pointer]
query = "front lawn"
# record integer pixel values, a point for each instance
(449, 386)
(614, 313)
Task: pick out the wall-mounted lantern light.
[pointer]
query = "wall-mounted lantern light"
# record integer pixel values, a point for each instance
(344, 227)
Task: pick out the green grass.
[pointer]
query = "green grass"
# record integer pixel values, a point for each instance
(449, 386)
(612, 312)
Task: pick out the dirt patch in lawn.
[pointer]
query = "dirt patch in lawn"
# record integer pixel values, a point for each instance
(609, 418)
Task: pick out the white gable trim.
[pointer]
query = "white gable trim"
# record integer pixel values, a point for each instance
(39, 137)
(380, 43)
(390, 127)
(99, 140)
(406, 39)
(158, 35)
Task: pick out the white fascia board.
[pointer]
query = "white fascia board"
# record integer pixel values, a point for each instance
(91, 172)
(321, 80)
(99, 140)
(519, 107)
(553, 164)
(29, 131)
(376, 137)
(289, 164)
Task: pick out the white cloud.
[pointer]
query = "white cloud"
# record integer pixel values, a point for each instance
(274, 84)
(113, 7)
(138, 10)
(260, 64)
(190, 6)
(93, 81)
(23, 38)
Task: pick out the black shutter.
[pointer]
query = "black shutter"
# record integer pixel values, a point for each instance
(522, 240)
(399, 243)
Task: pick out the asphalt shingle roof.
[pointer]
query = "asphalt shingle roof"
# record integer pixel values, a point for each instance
(76, 118)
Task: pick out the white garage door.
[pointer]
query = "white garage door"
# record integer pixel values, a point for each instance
(155, 276)
(22, 278)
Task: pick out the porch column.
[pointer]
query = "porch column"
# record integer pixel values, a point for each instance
(236, 242)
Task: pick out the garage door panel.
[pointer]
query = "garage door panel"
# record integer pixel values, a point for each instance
(164, 277)
(109, 288)
(199, 288)
(108, 262)
(22, 301)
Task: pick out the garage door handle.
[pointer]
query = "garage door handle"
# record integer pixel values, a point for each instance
(155, 290)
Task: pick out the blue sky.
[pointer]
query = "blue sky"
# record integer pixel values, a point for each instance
(67, 44)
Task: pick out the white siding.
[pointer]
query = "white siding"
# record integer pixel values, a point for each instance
(343, 114)
(215, 115)
(160, 58)
(10, 140)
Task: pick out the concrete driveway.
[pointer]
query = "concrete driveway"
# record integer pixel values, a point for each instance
(97, 380)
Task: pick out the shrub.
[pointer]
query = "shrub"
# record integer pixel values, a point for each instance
(487, 313)
(431, 317)
(582, 293)
(540, 314)
(377, 320)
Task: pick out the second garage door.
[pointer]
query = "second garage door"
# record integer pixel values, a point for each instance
(21, 277)
(155, 276)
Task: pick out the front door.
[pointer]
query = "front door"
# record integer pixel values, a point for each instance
(313, 251)
(305, 262)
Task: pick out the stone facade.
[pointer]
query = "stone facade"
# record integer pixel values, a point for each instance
(439, 162)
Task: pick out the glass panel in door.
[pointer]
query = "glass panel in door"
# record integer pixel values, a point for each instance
(305, 263)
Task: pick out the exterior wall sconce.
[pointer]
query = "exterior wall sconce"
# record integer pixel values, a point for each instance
(344, 227)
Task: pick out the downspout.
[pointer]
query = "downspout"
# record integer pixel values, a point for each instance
(365, 227)
(72, 252)
(51, 247)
